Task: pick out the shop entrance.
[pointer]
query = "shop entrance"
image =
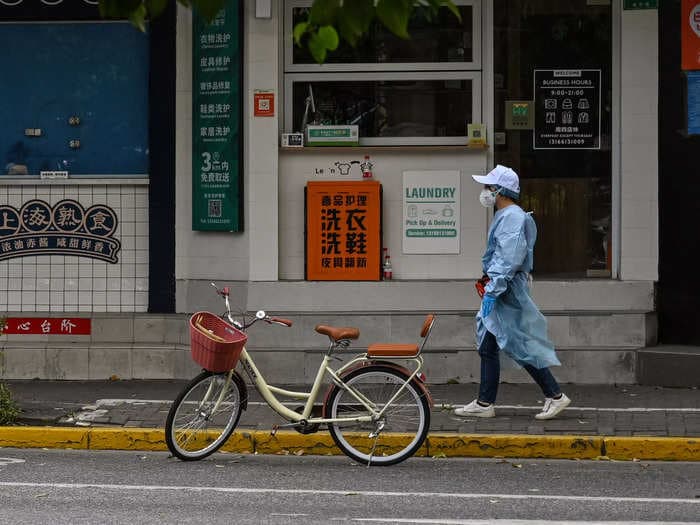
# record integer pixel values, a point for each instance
(553, 87)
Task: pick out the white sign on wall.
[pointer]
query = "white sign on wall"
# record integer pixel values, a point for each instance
(431, 212)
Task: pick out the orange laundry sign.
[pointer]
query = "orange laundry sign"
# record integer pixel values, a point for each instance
(343, 230)
(690, 34)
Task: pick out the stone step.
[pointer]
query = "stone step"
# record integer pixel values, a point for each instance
(669, 366)
(282, 365)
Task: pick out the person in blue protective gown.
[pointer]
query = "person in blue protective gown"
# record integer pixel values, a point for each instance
(509, 320)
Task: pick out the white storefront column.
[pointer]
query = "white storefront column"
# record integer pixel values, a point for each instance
(639, 145)
(261, 73)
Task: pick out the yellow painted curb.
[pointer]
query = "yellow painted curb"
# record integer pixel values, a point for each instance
(653, 448)
(127, 439)
(321, 443)
(514, 446)
(44, 437)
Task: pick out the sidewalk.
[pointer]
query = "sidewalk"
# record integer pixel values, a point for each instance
(647, 422)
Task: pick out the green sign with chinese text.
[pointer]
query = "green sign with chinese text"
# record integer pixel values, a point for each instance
(217, 174)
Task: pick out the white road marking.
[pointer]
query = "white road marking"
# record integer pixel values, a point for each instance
(508, 522)
(10, 461)
(366, 493)
(112, 402)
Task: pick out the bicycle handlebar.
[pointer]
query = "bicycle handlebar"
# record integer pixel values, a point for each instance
(279, 320)
(260, 315)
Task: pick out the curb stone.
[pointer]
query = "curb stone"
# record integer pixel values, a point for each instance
(437, 445)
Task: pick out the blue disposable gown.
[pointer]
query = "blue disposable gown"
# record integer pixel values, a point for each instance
(516, 322)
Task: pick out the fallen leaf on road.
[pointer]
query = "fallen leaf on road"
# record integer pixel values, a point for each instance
(299, 453)
(601, 458)
(219, 466)
(517, 465)
(439, 455)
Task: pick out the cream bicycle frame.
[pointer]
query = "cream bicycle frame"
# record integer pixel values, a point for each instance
(270, 392)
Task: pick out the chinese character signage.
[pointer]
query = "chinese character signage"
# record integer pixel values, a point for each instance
(690, 35)
(343, 230)
(217, 177)
(66, 228)
(567, 109)
(47, 326)
(431, 212)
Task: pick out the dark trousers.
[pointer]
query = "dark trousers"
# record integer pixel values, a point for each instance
(491, 373)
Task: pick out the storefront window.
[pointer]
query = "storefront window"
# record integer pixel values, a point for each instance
(438, 41)
(424, 90)
(553, 85)
(72, 101)
(406, 110)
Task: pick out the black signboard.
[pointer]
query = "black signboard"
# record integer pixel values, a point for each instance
(567, 109)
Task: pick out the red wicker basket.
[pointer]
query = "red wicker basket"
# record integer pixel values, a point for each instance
(215, 344)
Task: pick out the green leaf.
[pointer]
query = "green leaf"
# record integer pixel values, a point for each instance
(317, 48)
(156, 7)
(354, 19)
(138, 18)
(329, 37)
(323, 12)
(299, 31)
(452, 7)
(394, 14)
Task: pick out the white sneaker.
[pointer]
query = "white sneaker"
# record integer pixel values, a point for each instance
(474, 409)
(553, 406)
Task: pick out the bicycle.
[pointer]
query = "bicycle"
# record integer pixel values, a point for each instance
(376, 410)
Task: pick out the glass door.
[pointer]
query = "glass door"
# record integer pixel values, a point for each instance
(553, 120)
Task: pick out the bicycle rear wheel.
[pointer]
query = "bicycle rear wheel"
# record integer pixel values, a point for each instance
(401, 430)
(204, 415)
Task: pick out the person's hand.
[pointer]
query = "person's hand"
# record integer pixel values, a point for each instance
(487, 304)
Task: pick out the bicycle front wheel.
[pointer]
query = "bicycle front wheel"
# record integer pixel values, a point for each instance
(391, 438)
(203, 416)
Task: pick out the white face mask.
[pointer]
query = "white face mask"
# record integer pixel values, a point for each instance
(487, 198)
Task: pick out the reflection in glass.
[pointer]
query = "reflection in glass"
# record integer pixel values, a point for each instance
(388, 108)
(444, 39)
(568, 190)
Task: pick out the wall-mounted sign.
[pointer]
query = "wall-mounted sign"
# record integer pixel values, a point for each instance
(567, 109)
(47, 326)
(690, 35)
(693, 102)
(217, 153)
(343, 230)
(264, 104)
(66, 228)
(519, 114)
(431, 212)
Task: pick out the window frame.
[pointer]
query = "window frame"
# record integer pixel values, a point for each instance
(291, 67)
(474, 76)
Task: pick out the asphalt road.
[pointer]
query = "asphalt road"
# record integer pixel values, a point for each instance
(63, 486)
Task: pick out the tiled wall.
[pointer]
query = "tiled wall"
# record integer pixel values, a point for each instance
(639, 192)
(58, 283)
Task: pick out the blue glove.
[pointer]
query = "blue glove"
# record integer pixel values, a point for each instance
(487, 305)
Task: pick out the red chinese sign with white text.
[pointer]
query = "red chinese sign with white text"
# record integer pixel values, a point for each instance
(47, 326)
